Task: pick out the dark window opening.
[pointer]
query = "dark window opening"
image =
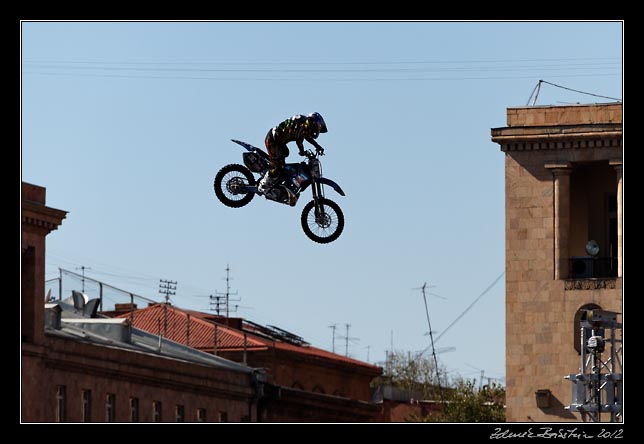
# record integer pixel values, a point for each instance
(201, 415)
(179, 414)
(61, 403)
(134, 409)
(593, 219)
(156, 411)
(110, 405)
(86, 406)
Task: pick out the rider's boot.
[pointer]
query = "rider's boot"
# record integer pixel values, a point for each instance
(266, 183)
(292, 197)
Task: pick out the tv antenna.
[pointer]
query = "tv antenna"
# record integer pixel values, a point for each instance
(424, 289)
(226, 295)
(348, 338)
(489, 378)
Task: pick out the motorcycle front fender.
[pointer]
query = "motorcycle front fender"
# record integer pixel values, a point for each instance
(324, 181)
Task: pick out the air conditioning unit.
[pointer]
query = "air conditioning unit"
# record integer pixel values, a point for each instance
(581, 267)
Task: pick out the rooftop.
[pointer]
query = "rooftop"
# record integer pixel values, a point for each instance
(69, 319)
(201, 328)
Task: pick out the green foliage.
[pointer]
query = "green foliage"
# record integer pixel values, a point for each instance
(466, 404)
(459, 401)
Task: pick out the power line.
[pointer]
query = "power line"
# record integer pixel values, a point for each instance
(353, 62)
(577, 91)
(469, 307)
(583, 66)
(314, 79)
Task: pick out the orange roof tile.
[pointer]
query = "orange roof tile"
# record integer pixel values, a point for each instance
(153, 320)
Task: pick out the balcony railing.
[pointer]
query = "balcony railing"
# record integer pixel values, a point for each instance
(587, 267)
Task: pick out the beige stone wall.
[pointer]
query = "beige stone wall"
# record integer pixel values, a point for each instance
(539, 311)
(565, 115)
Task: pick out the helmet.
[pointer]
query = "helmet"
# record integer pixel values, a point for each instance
(319, 126)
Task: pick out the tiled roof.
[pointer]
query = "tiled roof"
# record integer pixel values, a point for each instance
(320, 353)
(153, 319)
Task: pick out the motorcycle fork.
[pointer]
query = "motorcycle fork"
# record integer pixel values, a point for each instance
(318, 194)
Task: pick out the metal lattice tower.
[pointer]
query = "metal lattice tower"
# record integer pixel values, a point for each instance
(597, 388)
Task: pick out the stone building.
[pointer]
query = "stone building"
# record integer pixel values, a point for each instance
(303, 383)
(76, 367)
(564, 245)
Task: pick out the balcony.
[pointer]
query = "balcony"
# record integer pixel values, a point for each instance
(591, 273)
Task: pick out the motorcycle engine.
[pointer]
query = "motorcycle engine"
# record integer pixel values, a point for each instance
(278, 194)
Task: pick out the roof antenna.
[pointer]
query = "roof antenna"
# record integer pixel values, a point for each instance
(535, 93)
(431, 335)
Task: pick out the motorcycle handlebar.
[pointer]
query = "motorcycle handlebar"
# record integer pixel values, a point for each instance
(311, 155)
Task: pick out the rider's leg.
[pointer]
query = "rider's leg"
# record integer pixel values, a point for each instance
(277, 154)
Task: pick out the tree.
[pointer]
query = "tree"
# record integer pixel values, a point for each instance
(457, 401)
(466, 404)
(415, 374)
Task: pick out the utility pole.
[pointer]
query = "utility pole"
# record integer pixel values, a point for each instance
(333, 327)
(83, 268)
(227, 294)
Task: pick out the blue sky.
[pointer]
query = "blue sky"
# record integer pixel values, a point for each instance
(127, 123)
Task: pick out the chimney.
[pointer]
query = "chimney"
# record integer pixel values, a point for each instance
(52, 316)
(124, 308)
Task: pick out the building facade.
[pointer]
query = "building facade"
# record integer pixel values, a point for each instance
(564, 245)
(302, 383)
(77, 368)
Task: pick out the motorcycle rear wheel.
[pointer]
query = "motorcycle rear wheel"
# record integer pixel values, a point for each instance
(326, 226)
(227, 183)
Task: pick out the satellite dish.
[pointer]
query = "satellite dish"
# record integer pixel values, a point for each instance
(592, 248)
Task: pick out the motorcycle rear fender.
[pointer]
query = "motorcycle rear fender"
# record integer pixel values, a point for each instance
(248, 146)
(325, 181)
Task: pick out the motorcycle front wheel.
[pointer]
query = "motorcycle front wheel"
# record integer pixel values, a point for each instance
(324, 222)
(229, 183)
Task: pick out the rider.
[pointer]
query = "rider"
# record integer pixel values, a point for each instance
(295, 129)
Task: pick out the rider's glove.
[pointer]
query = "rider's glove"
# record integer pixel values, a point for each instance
(302, 153)
(319, 150)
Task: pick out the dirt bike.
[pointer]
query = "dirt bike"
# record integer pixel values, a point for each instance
(322, 219)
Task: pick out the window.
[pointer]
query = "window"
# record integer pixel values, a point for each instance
(201, 415)
(86, 406)
(593, 217)
(179, 414)
(61, 403)
(134, 409)
(156, 411)
(110, 401)
(577, 325)
(223, 416)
